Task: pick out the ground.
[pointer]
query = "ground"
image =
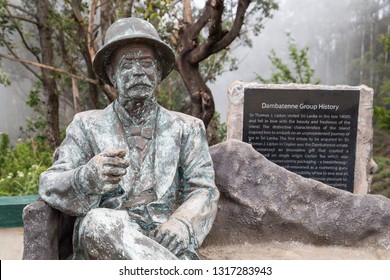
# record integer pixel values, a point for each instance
(292, 251)
(11, 248)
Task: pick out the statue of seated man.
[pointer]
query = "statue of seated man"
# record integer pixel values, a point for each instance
(138, 177)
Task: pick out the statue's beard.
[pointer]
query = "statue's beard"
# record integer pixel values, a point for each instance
(143, 97)
(138, 110)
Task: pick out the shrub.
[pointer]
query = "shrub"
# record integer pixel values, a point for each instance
(381, 180)
(21, 165)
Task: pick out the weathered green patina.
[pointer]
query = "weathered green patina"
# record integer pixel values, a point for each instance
(139, 177)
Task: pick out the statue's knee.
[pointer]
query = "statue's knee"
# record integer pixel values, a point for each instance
(102, 223)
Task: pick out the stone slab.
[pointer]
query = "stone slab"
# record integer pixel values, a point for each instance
(364, 166)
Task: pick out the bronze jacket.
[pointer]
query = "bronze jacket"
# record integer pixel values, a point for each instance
(183, 168)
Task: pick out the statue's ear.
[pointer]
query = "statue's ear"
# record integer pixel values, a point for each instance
(111, 74)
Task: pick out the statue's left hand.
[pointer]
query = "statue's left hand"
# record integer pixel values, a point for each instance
(173, 235)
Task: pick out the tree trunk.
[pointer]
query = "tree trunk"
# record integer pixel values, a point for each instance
(52, 117)
(76, 96)
(86, 48)
(104, 19)
(49, 83)
(192, 52)
(202, 101)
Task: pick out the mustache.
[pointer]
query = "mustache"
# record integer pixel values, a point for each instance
(139, 82)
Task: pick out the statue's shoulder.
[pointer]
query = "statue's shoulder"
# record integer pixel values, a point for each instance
(92, 116)
(181, 118)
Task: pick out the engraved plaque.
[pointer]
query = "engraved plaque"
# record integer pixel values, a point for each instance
(309, 132)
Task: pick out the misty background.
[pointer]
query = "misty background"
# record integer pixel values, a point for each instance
(314, 24)
(335, 32)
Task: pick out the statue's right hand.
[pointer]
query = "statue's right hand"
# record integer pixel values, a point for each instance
(104, 171)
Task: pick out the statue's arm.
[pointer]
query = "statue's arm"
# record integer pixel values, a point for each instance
(199, 195)
(59, 185)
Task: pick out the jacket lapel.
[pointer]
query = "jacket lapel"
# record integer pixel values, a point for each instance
(109, 132)
(168, 142)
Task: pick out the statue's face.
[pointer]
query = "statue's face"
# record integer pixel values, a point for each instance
(135, 72)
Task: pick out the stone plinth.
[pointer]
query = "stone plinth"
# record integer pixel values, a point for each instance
(364, 166)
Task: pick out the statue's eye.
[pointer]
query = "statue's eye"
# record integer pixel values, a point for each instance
(146, 63)
(128, 64)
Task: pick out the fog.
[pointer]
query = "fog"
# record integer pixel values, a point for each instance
(14, 111)
(309, 23)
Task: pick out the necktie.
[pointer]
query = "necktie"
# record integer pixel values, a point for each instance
(140, 136)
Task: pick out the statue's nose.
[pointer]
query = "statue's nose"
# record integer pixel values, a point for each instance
(138, 69)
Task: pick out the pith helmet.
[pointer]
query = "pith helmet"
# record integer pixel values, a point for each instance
(132, 30)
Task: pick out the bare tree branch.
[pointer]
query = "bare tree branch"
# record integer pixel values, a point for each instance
(191, 33)
(214, 45)
(21, 10)
(90, 36)
(86, 46)
(16, 57)
(187, 12)
(22, 36)
(236, 28)
(215, 30)
(127, 11)
(27, 46)
(51, 68)
(109, 91)
(76, 96)
(77, 13)
(104, 19)
(24, 19)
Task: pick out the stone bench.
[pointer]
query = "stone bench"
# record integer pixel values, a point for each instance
(260, 202)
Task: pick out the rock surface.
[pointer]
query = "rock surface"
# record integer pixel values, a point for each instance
(47, 232)
(262, 202)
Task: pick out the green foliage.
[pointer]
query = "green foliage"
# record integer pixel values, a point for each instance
(221, 127)
(173, 95)
(37, 124)
(302, 72)
(382, 115)
(382, 108)
(216, 131)
(381, 180)
(4, 78)
(33, 98)
(20, 166)
(216, 64)
(381, 143)
(74, 39)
